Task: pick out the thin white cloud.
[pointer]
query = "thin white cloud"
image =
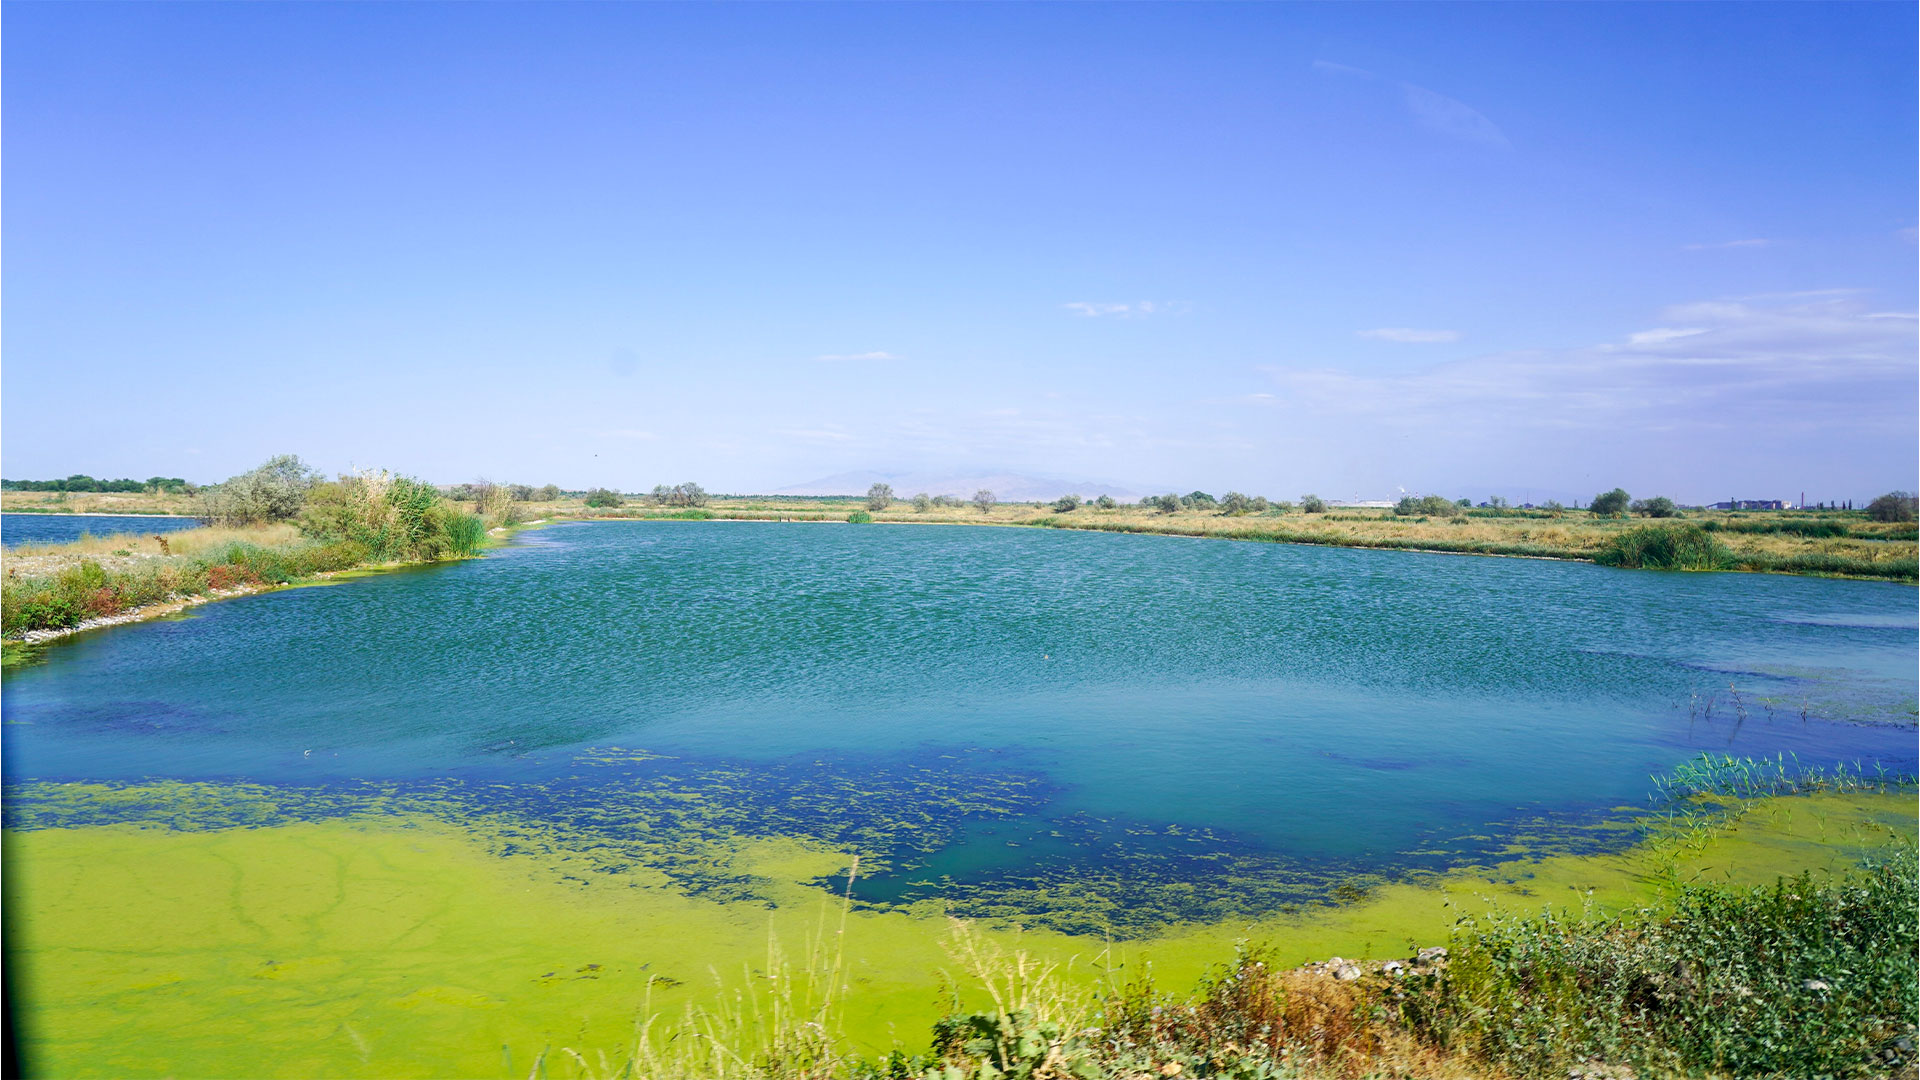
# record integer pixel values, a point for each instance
(876, 357)
(1724, 245)
(1438, 113)
(1410, 336)
(1716, 364)
(1134, 310)
(634, 434)
(1661, 335)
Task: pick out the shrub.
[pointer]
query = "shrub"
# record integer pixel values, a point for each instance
(879, 497)
(1104, 502)
(1893, 506)
(1066, 504)
(1427, 506)
(859, 517)
(1657, 507)
(1197, 500)
(984, 500)
(1312, 504)
(273, 491)
(1610, 503)
(1666, 547)
(1234, 503)
(687, 494)
(599, 498)
(922, 502)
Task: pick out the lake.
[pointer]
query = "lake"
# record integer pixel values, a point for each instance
(17, 529)
(1094, 735)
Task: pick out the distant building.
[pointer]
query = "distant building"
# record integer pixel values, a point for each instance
(1750, 504)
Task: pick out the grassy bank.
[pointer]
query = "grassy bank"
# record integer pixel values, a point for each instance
(365, 520)
(1823, 543)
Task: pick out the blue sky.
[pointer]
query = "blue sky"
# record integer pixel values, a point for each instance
(1343, 248)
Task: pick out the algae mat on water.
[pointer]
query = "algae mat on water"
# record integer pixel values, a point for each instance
(403, 945)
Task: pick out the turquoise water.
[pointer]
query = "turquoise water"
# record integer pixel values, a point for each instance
(1000, 711)
(17, 529)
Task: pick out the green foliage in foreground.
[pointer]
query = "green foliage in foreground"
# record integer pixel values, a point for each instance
(1803, 978)
(859, 517)
(1811, 976)
(87, 590)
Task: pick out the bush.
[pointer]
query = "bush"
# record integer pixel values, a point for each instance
(1608, 504)
(273, 491)
(1165, 504)
(1197, 500)
(859, 517)
(1657, 507)
(1234, 503)
(1666, 547)
(1104, 502)
(1427, 506)
(1312, 504)
(1893, 506)
(984, 500)
(687, 494)
(879, 497)
(601, 498)
(1066, 504)
(922, 502)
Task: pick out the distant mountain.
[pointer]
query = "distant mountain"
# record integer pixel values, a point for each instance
(1006, 486)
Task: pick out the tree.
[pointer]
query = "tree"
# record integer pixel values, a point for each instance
(1312, 504)
(1657, 507)
(602, 497)
(1498, 502)
(1066, 504)
(921, 502)
(1234, 503)
(687, 494)
(548, 493)
(521, 492)
(1607, 504)
(1283, 506)
(1260, 505)
(1165, 504)
(1553, 506)
(1427, 506)
(879, 496)
(1197, 500)
(984, 500)
(1893, 506)
(272, 491)
(1105, 502)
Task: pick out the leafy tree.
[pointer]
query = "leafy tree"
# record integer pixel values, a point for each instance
(547, 493)
(1312, 504)
(879, 496)
(520, 492)
(984, 500)
(1893, 506)
(1198, 500)
(1498, 502)
(272, 491)
(1553, 505)
(1165, 504)
(1657, 507)
(687, 494)
(1427, 506)
(1234, 503)
(1066, 504)
(1105, 502)
(1609, 503)
(1283, 506)
(921, 502)
(602, 497)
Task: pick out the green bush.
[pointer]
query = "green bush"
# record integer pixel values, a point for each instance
(859, 517)
(1666, 547)
(1657, 507)
(1804, 978)
(1893, 506)
(1430, 506)
(602, 498)
(273, 491)
(1611, 503)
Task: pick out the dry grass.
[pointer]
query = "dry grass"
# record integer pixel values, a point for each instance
(119, 551)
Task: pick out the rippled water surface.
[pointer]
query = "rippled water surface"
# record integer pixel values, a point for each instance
(1000, 709)
(17, 529)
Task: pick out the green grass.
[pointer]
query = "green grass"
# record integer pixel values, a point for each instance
(1680, 546)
